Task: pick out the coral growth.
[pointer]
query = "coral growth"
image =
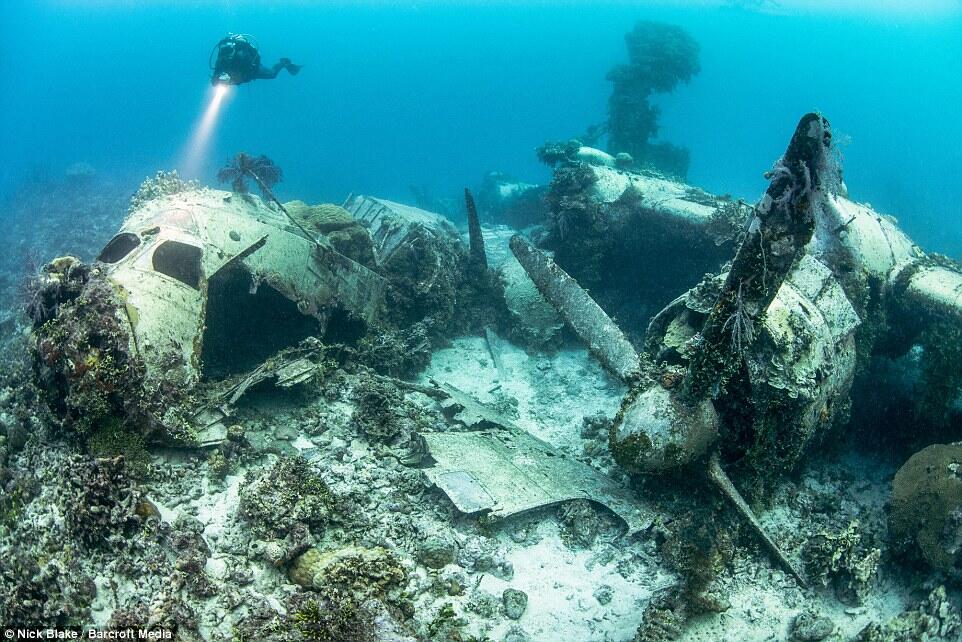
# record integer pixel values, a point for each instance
(582, 523)
(102, 503)
(335, 619)
(811, 627)
(927, 506)
(42, 593)
(85, 365)
(113, 439)
(437, 550)
(934, 620)
(663, 619)
(425, 276)
(843, 560)
(377, 414)
(49, 533)
(515, 603)
(382, 414)
(363, 572)
(659, 57)
(699, 547)
(344, 232)
(554, 153)
(397, 352)
(162, 184)
(166, 612)
(290, 493)
(346, 584)
(740, 325)
(187, 542)
(59, 281)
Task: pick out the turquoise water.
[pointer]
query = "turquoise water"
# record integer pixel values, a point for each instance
(250, 418)
(435, 94)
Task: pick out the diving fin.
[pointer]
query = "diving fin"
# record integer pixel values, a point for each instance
(290, 66)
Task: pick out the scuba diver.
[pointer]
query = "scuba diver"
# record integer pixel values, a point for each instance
(238, 61)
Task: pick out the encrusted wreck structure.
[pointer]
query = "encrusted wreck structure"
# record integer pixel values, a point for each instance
(841, 283)
(757, 360)
(194, 274)
(735, 335)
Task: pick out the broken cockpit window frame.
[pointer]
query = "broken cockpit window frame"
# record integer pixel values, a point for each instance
(119, 247)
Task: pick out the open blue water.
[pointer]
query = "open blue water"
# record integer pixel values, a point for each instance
(434, 94)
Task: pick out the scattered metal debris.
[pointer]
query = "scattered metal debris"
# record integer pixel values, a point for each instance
(286, 370)
(504, 471)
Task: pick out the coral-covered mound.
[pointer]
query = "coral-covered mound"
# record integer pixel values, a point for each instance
(927, 505)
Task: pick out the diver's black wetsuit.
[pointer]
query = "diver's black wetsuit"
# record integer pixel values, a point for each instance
(239, 62)
(263, 73)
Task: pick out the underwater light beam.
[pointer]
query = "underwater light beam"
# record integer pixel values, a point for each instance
(199, 143)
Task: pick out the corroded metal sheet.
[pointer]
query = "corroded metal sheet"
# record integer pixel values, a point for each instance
(506, 471)
(460, 407)
(393, 225)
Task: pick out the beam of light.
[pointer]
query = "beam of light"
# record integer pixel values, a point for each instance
(198, 146)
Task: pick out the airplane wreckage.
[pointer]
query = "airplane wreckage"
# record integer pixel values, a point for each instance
(203, 294)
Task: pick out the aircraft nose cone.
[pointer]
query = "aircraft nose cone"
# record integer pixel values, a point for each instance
(654, 431)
